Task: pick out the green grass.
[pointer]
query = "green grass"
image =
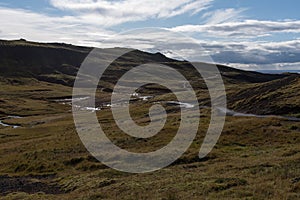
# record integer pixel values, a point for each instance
(255, 158)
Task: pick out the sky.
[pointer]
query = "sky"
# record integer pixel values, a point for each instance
(246, 34)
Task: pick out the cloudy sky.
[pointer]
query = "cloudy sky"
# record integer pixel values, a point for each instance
(247, 34)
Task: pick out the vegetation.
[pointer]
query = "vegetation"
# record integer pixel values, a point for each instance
(255, 158)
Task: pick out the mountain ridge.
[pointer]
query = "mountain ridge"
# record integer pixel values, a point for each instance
(33, 59)
(58, 63)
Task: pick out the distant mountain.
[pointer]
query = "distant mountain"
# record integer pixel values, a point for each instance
(42, 61)
(57, 62)
(247, 91)
(279, 71)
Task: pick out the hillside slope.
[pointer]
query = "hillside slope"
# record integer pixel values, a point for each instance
(250, 92)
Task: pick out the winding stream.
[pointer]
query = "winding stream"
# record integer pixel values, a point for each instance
(229, 112)
(181, 104)
(225, 111)
(10, 125)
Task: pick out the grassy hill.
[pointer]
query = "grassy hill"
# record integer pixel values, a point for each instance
(43, 158)
(58, 63)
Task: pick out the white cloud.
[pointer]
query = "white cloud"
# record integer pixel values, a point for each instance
(84, 29)
(241, 54)
(19, 23)
(243, 29)
(273, 66)
(256, 54)
(109, 13)
(223, 15)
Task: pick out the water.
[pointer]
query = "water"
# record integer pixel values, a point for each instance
(74, 99)
(238, 114)
(145, 98)
(78, 99)
(181, 104)
(91, 109)
(225, 111)
(10, 125)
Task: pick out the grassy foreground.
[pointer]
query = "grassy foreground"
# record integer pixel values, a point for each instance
(255, 158)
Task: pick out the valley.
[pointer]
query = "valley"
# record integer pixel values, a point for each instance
(42, 156)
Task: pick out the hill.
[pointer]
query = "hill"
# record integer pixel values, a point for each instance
(42, 156)
(249, 92)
